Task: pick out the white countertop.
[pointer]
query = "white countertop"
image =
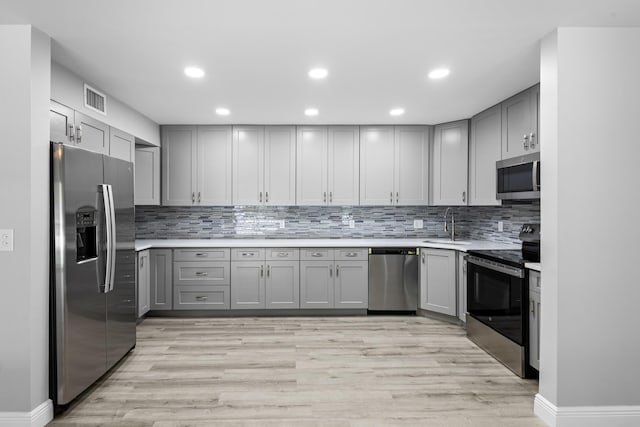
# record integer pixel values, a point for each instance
(320, 243)
(532, 266)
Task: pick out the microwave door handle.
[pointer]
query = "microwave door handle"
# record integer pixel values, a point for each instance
(112, 244)
(107, 221)
(536, 184)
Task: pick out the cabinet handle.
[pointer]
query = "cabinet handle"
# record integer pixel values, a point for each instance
(316, 254)
(202, 254)
(260, 197)
(397, 197)
(70, 133)
(531, 136)
(464, 197)
(283, 254)
(266, 197)
(262, 271)
(330, 196)
(330, 271)
(351, 254)
(78, 134)
(193, 197)
(201, 273)
(337, 270)
(538, 282)
(532, 306)
(525, 142)
(201, 298)
(198, 197)
(391, 197)
(423, 257)
(268, 270)
(141, 262)
(324, 197)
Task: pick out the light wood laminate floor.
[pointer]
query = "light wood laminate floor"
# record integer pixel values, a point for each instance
(305, 371)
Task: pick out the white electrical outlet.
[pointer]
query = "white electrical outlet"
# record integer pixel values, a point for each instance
(352, 223)
(281, 223)
(6, 240)
(418, 223)
(500, 226)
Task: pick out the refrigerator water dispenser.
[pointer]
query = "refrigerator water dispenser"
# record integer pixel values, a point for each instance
(86, 237)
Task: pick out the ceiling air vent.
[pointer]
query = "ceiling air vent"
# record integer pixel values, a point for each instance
(95, 100)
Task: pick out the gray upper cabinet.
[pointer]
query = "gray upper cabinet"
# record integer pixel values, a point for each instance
(264, 165)
(328, 165)
(160, 279)
(485, 151)
(77, 129)
(147, 176)
(196, 165)
(394, 165)
(520, 123)
(450, 163)
(121, 145)
(438, 281)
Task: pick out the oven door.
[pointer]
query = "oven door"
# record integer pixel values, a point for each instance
(495, 297)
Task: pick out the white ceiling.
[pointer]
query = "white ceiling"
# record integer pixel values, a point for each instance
(257, 53)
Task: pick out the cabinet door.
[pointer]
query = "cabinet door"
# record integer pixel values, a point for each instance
(534, 136)
(462, 286)
(450, 163)
(534, 319)
(377, 166)
(160, 279)
(411, 165)
(516, 125)
(247, 285)
(144, 290)
(343, 164)
(213, 171)
(248, 165)
(283, 284)
(351, 284)
(91, 134)
(121, 145)
(485, 151)
(178, 165)
(316, 284)
(312, 166)
(61, 124)
(147, 178)
(280, 165)
(438, 281)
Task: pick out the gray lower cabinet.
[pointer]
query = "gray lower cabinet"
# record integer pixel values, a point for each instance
(282, 287)
(316, 284)
(438, 281)
(144, 286)
(351, 288)
(247, 284)
(201, 279)
(160, 268)
(534, 319)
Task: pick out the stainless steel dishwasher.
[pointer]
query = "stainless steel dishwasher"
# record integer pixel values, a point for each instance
(393, 279)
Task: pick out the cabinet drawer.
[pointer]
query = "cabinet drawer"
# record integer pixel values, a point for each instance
(201, 273)
(247, 254)
(282, 254)
(195, 254)
(314, 254)
(202, 298)
(352, 254)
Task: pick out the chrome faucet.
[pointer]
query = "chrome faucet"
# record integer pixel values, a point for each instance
(453, 224)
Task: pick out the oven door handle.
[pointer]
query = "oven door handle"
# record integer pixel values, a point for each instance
(495, 266)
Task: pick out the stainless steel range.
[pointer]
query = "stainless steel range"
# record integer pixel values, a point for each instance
(498, 298)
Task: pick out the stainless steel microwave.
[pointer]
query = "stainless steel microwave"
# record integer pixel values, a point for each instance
(518, 178)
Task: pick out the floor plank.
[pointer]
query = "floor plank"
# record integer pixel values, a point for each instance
(305, 371)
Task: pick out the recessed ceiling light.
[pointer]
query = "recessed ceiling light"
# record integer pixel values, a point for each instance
(223, 111)
(311, 111)
(397, 112)
(318, 73)
(439, 73)
(194, 72)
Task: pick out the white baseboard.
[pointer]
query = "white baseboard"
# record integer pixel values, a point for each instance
(586, 416)
(39, 417)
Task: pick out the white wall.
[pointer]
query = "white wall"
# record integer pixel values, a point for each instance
(590, 107)
(68, 89)
(24, 207)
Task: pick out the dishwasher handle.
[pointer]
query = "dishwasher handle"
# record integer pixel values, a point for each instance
(393, 251)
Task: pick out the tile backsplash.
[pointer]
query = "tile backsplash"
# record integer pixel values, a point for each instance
(474, 222)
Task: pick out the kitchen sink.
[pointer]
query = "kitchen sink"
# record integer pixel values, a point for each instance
(447, 241)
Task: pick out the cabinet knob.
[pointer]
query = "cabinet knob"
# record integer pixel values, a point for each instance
(525, 142)
(531, 136)
(70, 133)
(78, 134)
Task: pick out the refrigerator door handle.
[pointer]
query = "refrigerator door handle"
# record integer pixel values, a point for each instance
(112, 243)
(107, 220)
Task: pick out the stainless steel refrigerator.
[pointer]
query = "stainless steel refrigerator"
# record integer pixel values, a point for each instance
(93, 298)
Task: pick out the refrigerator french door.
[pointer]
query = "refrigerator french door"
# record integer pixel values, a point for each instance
(93, 281)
